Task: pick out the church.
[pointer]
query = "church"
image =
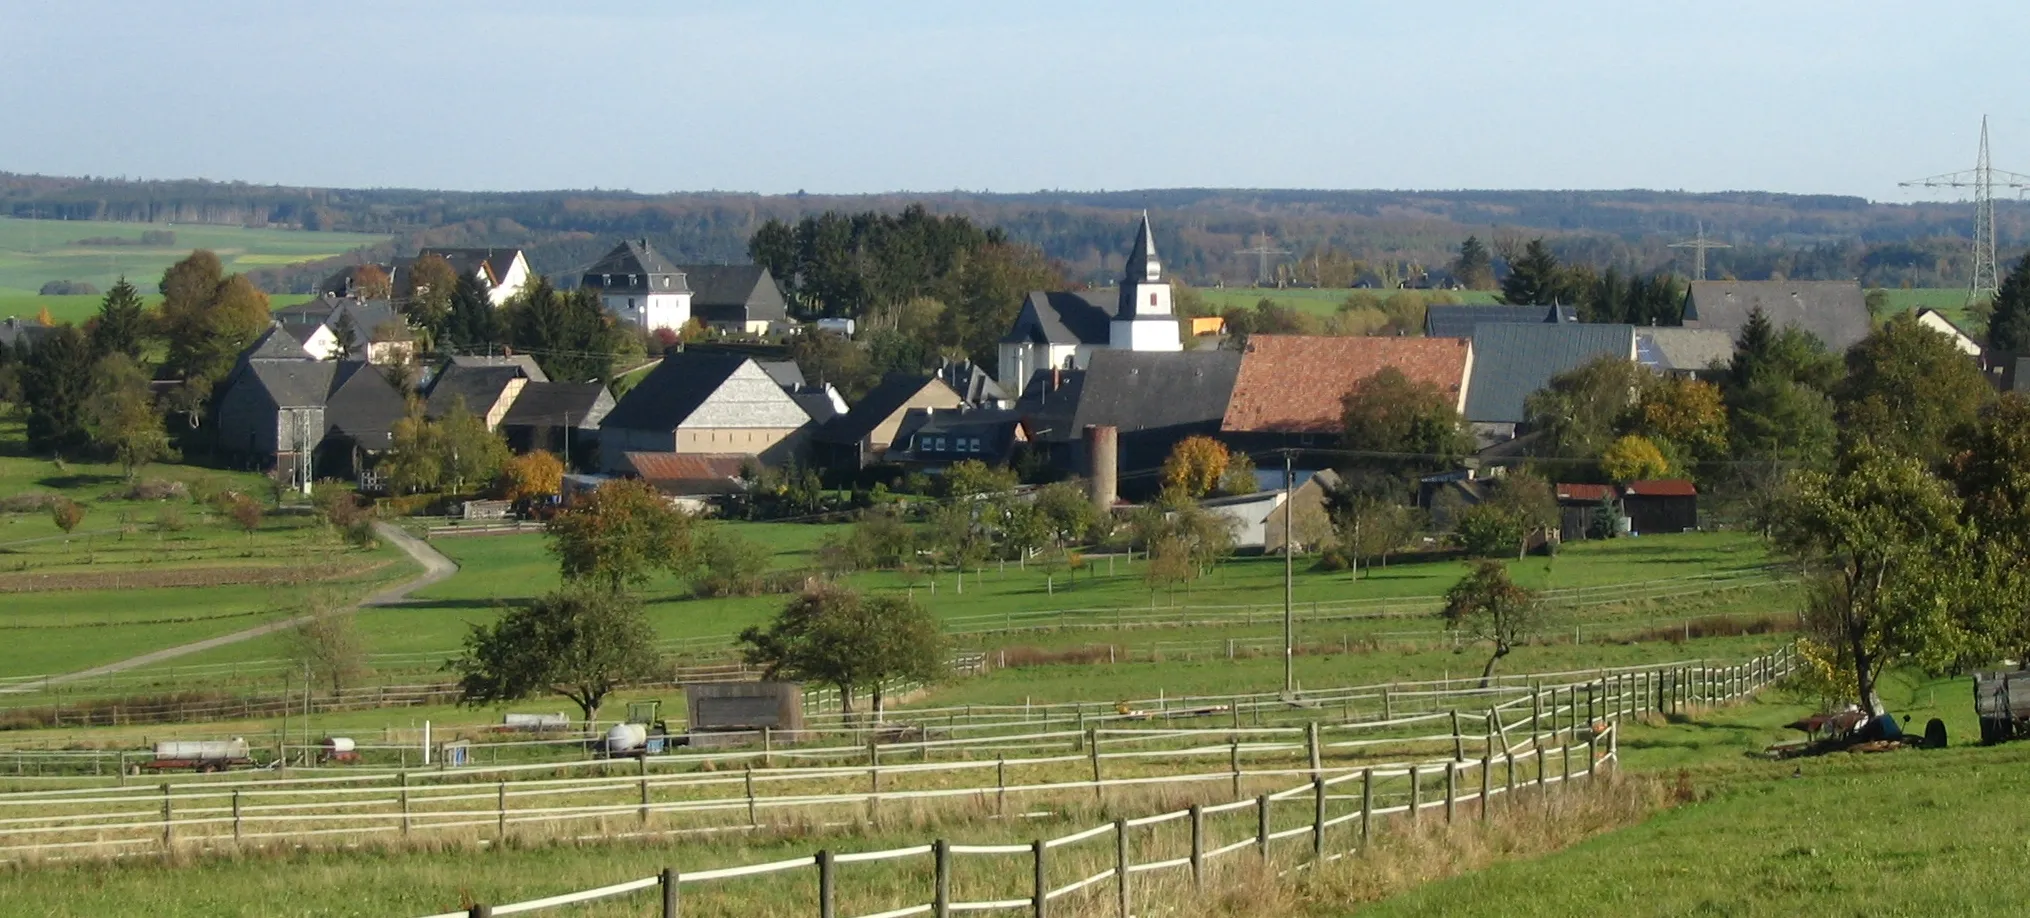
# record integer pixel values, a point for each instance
(1061, 330)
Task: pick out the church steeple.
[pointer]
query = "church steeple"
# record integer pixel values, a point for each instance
(1143, 266)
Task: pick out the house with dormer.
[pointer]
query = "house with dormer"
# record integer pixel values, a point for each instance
(639, 286)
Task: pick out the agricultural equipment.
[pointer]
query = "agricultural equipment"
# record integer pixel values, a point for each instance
(2002, 702)
(200, 755)
(338, 749)
(642, 733)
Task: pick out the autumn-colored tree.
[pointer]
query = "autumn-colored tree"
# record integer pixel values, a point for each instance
(620, 533)
(370, 282)
(1194, 467)
(426, 299)
(44, 319)
(1687, 412)
(66, 514)
(531, 477)
(1634, 458)
(245, 513)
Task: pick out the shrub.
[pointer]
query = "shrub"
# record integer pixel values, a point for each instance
(733, 565)
(157, 489)
(66, 513)
(170, 519)
(28, 502)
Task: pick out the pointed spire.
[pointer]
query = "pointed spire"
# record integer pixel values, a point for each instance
(1143, 266)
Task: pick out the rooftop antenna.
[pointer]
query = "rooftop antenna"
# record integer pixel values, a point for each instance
(1982, 178)
(1262, 250)
(1699, 244)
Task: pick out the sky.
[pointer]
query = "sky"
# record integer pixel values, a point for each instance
(652, 96)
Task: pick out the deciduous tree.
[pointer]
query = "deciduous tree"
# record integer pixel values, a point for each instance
(835, 636)
(579, 643)
(531, 477)
(1634, 458)
(1390, 413)
(620, 533)
(121, 414)
(66, 514)
(1489, 606)
(1908, 389)
(1194, 467)
(2009, 314)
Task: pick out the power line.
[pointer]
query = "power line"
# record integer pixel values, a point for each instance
(1263, 250)
(1982, 178)
(1699, 244)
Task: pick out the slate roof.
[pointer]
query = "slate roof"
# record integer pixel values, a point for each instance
(1142, 390)
(996, 428)
(672, 394)
(1687, 348)
(1048, 409)
(1457, 321)
(529, 367)
(15, 332)
(479, 387)
(363, 405)
(894, 391)
(557, 404)
(1297, 384)
(971, 382)
(1512, 361)
(785, 372)
(1835, 311)
(818, 402)
(277, 343)
(298, 383)
(1061, 318)
(692, 474)
(634, 258)
(734, 293)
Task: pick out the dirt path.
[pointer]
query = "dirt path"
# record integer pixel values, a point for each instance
(436, 568)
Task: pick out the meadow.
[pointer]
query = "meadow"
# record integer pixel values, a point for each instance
(34, 252)
(1951, 301)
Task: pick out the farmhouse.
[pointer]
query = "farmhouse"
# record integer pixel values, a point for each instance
(933, 438)
(1512, 360)
(1443, 320)
(1835, 311)
(740, 299)
(702, 403)
(558, 417)
(281, 406)
(377, 332)
(640, 287)
(1154, 400)
(1936, 321)
(487, 389)
(1689, 352)
(1291, 389)
(862, 436)
(1063, 330)
(503, 271)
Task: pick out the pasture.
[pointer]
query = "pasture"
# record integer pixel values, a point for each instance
(34, 252)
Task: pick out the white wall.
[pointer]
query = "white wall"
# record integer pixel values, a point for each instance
(650, 310)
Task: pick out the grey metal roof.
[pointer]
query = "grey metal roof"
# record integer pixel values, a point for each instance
(785, 372)
(971, 382)
(1140, 390)
(1687, 348)
(994, 427)
(299, 383)
(817, 402)
(1457, 321)
(704, 389)
(363, 405)
(478, 387)
(1835, 311)
(734, 293)
(1511, 361)
(527, 364)
(277, 343)
(894, 391)
(1058, 317)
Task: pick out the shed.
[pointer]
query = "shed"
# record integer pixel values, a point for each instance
(1660, 506)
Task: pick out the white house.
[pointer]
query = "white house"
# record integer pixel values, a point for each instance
(503, 271)
(1936, 321)
(641, 287)
(1061, 330)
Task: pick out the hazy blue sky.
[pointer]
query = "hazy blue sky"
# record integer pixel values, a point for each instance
(1838, 97)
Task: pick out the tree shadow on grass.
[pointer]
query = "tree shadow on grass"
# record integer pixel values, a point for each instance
(68, 482)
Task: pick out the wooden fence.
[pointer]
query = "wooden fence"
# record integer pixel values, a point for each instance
(1496, 726)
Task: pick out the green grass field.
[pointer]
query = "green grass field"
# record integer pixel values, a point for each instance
(1325, 301)
(34, 252)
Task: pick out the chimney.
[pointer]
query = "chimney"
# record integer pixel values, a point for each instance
(1103, 456)
(1056, 378)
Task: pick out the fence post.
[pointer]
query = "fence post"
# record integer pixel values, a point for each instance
(1311, 744)
(644, 795)
(1458, 739)
(873, 779)
(827, 906)
(1416, 792)
(1317, 818)
(941, 857)
(1592, 749)
(168, 819)
(1451, 792)
(1123, 894)
(669, 889)
(1366, 806)
(1486, 784)
(480, 911)
(123, 769)
(500, 828)
(1000, 785)
(1509, 781)
(403, 778)
(1262, 825)
(1039, 897)
(1387, 704)
(236, 814)
(1565, 765)
(1092, 743)
(1234, 757)
(752, 818)
(1537, 752)
(1197, 846)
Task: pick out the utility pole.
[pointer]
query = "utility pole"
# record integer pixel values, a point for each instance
(1699, 244)
(1982, 178)
(1263, 250)
(1289, 554)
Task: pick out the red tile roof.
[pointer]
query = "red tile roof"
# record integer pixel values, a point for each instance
(1295, 383)
(1669, 487)
(1587, 492)
(691, 473)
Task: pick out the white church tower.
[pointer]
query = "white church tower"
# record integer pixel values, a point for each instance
(1144, 321)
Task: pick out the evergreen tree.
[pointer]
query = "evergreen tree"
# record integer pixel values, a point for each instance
(1474, 268)
(2009, 321)
(1535, 279)
(121, 323)
(473, 324)
(56, 379)
(568, 332)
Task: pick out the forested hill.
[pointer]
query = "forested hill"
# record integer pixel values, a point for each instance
(1199, 231)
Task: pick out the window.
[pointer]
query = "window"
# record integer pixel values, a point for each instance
(630, 304)
(937, 444)
(605, 280)
(1152, 298)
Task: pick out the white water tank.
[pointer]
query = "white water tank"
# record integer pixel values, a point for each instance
(625, 738)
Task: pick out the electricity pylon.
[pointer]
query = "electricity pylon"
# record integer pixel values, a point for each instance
(1699, 244)
(1983, 179)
